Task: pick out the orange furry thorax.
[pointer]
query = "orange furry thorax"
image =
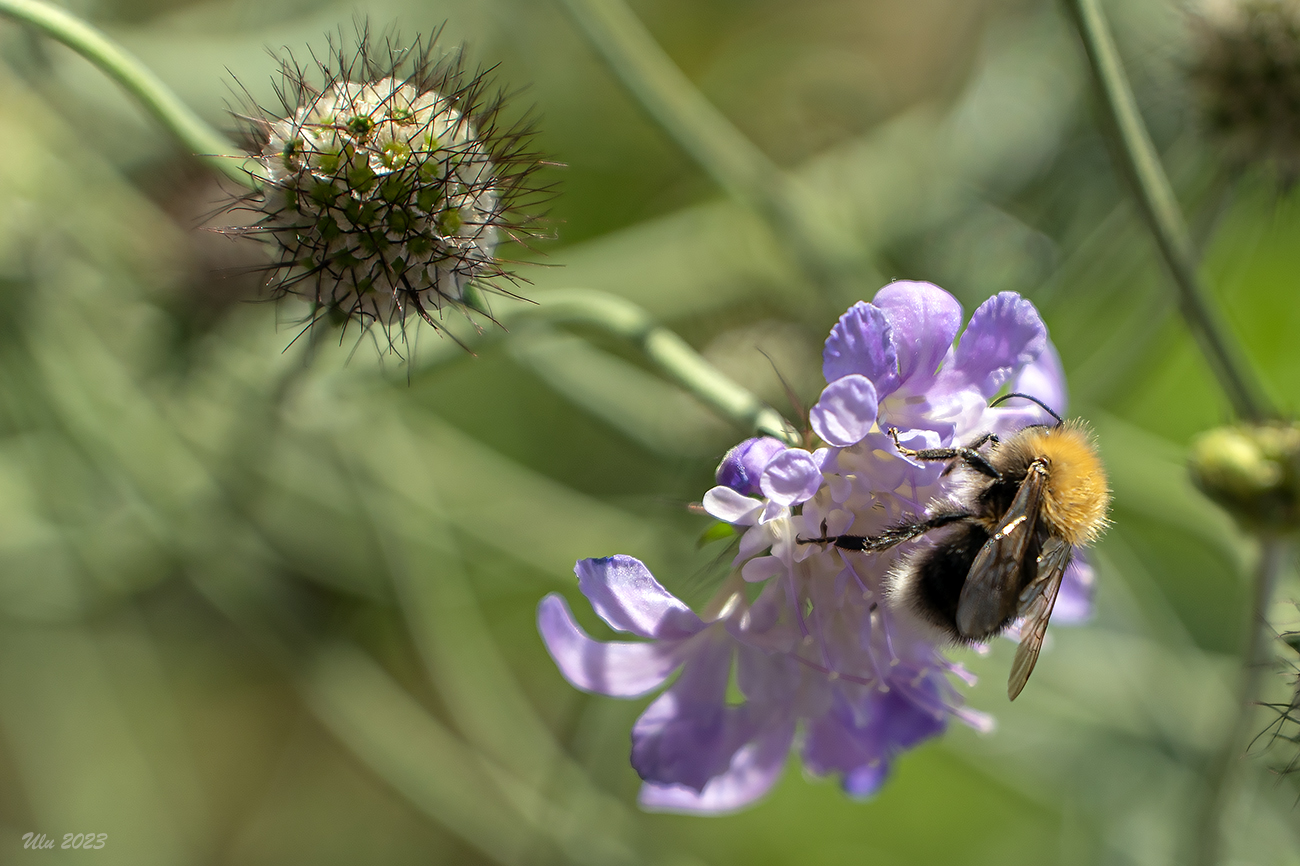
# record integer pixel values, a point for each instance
(1077, 495)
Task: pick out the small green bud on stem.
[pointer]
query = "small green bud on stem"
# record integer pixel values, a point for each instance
(1253, 471)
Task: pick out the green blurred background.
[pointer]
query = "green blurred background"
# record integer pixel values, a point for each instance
(251, 616)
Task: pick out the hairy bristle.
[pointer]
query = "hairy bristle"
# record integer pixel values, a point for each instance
(925, 584)
(1247, 71)
(390, 178)
(1077, 496)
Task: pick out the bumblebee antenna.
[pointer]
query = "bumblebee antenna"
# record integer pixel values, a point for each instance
(1041, 404)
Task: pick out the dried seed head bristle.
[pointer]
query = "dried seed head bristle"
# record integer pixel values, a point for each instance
(389, 182)
(1247, 71)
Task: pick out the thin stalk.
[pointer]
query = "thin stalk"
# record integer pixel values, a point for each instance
(670, 353)
(1163, 217)
(193, 133)
(463, 663)
(733, 161)
(1224, 772)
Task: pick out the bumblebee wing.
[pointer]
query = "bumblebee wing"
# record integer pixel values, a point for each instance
(990, 595)
(1037, 602)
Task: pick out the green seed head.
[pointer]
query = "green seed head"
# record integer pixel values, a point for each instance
(360, 125)
(388, 224)
(1246, 69)
(1253, 472)
(387, 185)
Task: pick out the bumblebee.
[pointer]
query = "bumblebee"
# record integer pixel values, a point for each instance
(1002, 545)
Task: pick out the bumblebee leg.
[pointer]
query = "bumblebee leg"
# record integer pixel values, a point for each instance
(969, 456)
(984, 440)
(894, 535)
(974, 446)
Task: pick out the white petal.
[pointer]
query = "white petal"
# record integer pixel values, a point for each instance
(731, 507)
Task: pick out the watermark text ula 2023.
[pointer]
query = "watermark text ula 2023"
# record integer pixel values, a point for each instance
(84, 841)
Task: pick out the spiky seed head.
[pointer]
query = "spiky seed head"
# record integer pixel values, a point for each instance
(1246, 68)
(384, 192)
(1253, 471)
(388, 186)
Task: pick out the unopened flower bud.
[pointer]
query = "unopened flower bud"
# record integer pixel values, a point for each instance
(743, 465)
(1253, 472)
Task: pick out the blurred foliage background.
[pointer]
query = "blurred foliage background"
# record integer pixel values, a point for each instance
(251, 614)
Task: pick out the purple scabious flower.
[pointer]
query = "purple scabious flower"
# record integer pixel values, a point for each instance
(696, 747)
(898, 363)
(820, 660)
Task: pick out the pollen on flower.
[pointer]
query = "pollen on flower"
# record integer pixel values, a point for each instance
(389, 184)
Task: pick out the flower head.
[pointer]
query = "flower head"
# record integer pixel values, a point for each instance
(1247, 71)
(696, 748)
(823, 661)
(1253, 471)
(388, 185)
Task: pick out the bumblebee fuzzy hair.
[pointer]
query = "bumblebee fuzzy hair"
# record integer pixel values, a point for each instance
(903, 590)
(927, 583)
(390, 177)
(1076, 496)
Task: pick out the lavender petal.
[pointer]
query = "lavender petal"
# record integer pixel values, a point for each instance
(1044, 378)
(925, 320)
(863, 782)
(846, 411)
(689, 734)
(1074, 602)
(752, 773)
(861, 343)
(793, 476)
(731, 507)
(1004, 335)
(849, 738)
(742, 466)
(625, 594)
(617, 669)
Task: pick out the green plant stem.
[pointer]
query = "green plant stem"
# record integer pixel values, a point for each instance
(236, 561)
(383, 726)
(670, 353)
(1163, 217)
(195, 134)
(722, 150)
(398, 506)
(1223, 773)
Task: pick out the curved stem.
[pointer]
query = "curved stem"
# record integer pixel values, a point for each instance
(670, 353)
(1165, 220)
(1222, 777)
(194, 133)
(733, 161)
